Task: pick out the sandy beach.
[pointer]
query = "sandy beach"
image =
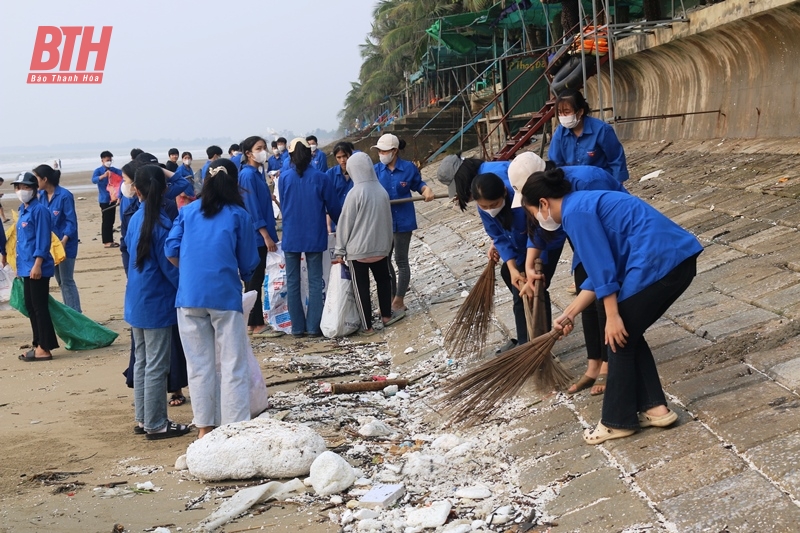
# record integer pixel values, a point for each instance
(74, 414)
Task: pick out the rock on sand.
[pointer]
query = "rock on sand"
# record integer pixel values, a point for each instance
(263, 447)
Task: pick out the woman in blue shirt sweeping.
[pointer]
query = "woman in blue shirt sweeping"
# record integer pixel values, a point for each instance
(150, 305)
(638, 262)
(35, 266)
(306, 196)
(61, 205)
(209, 298)
(258, 201)
(399, 178)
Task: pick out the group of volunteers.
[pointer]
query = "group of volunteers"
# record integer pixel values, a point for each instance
(191, 240)
(630, 262)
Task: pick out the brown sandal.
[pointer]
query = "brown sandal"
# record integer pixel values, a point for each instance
(582, 384)
(599, 382)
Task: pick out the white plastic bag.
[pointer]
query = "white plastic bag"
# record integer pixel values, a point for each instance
(340, 315)
(327, 256)
(7, 276)
(259, 399)
(276, 306)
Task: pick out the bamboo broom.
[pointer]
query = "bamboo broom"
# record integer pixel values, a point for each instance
(466, 336)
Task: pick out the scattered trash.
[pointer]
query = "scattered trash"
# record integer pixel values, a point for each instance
(651, 175)
(382, 496)
(391, 390)
(474, 493)
(366, 386)
(409, 350)
(243, 500)
(375, 428)
(433, 516)
(331, 474)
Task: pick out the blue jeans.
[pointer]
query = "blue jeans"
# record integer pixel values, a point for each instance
(65, 278)
(150, 376)
(304, 322)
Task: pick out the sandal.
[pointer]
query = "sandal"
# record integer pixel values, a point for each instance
(177, 399)
(396, 315)
(266, 332)
(661, 421)
(30, 357)
(599, 382)
(173, 430)
(139, 430)
(602, 433)
(111, 245)
(367, 332)
(582, 384)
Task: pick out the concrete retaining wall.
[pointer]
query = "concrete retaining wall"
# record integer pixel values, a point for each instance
(738, 57)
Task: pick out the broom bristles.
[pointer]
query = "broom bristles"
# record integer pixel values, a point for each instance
(475, 394)
(466, 336)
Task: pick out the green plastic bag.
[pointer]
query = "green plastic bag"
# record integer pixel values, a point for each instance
(77, 331)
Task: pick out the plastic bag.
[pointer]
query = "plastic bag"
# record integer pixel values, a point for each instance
(340, 315)
(327, 256)
(259, 398)
(56, 248)
(7, 276)
(76, 330)
(276, 306)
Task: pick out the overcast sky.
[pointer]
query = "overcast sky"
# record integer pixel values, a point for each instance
(184, 69)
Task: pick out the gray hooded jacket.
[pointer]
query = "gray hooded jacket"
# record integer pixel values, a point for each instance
(364, 229)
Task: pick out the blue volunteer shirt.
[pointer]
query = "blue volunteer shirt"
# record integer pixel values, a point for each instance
(213, 284)
(498, 168)
(597, 146)
(319, 160)
(625, 244)
(103, 196)
(33, 239)
(399, 183)
(177, 185)
(581, 178)
(258, 202)
(510, 243)
(204, 170)
(341, 185)
(273, 163)
(237, 160)
(150, 292)
(3, 242)
(65, 221)
(304, 202)
(183, 172)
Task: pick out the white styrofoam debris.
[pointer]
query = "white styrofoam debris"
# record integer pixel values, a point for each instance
(474, 493)
(432, 516)
(391, 390)
(376, 428)
(262, 447)
(330, 474)
(447, 442)
(366, 514)
(180, 463)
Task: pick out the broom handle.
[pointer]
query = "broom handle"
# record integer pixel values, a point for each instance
(537, 288)
(417, 199)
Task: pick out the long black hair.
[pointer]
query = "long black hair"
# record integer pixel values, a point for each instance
(220, 188)
(247, 146)
(301, 158)
(150, 183)
(463, 178)
(46, 172)
(490, 187)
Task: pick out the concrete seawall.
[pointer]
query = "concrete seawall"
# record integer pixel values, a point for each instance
(737, 57)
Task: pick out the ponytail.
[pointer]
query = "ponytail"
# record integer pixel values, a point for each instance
(150, 183)
(546, 184)
(46, 172)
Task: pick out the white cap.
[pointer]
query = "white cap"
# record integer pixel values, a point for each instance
(520, 170)
(294, 142)
(387, 142)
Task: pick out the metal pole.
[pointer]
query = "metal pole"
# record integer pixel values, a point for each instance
(581, 15)
(611, 45)
(462, 130)
(597, 63)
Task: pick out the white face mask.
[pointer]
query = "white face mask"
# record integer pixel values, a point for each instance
(386, 158)
(126, 189)
(25, 195)
(281, 148)
(260, 157)
(275, 152)
(313, 147)
(547, 224)
(568, 121)
(187, 162)
(496, 211)
(236, 153)
(107, 164)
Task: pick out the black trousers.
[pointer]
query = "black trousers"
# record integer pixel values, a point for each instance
(107, 224)
(36, 300)
(593, 319)
(633, 383)
(256, 283)
(383, 281)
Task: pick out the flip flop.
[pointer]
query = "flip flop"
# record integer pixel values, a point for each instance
(600, 381)
(30, 357)
(367, 332)
(267, 333)
(661, 421)
(396, 315)
(602, 433)
(177, 399)
(582, 384)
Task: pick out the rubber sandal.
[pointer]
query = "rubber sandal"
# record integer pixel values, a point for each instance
(600, 381)
(178, 399)
(30, 357)
(139, 430)
(582, 384)
(602, 433)
(112, 245)
(268, 333)
(367, 333)
(396, 316)
(173, 430)
(662, 421)
(510, 345)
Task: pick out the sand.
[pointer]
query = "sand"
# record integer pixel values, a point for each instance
(74, 414)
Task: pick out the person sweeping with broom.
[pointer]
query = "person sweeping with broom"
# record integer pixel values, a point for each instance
(638, 262)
